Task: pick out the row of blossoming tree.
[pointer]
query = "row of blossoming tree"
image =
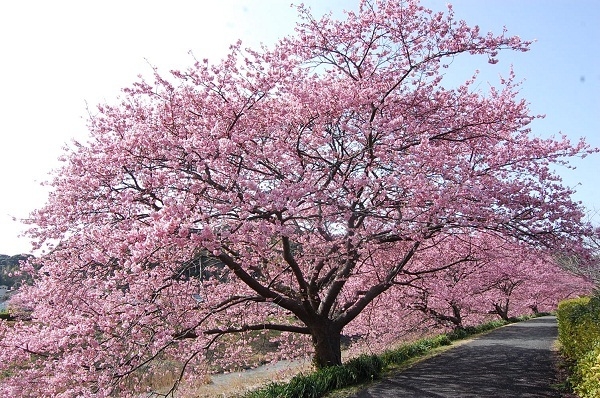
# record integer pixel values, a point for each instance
(337, 184)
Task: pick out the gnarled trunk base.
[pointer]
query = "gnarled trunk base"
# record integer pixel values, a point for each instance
(327, 342)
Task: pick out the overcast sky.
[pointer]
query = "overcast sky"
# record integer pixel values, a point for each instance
(57, 57)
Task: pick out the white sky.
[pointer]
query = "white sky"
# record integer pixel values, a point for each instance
(56, 56)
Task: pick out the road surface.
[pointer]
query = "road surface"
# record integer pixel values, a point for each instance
(514, 361)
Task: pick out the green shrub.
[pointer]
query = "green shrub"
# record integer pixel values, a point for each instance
(587, 375)
(573, 319)
(579, 335)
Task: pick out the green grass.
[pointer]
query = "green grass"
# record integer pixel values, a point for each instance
(358, 370)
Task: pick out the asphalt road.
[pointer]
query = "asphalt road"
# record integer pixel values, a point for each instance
(513, 361)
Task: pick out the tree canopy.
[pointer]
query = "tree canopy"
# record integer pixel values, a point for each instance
(301, 190)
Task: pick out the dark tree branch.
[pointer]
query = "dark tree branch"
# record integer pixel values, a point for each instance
(263, 326)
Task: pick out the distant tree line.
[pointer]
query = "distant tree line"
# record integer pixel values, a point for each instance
(9, 269)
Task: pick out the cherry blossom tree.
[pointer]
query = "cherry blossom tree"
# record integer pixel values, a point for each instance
(529, 281)
(587, 268)
(501, 277)
(452, 296)
(282, 191)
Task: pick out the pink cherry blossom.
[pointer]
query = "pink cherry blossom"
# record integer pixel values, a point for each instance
(290, 194)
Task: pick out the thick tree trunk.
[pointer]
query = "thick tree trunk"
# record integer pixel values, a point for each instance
(327, 342)
(457, 318)
(535, 309)
(502, 311)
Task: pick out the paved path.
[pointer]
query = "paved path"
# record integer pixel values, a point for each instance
(513, 361)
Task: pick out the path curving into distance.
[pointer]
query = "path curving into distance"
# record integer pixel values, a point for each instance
(514, 361)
